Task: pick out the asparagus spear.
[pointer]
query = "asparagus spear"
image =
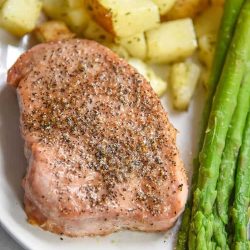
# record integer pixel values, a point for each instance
(229, 161)
(219, 232)
(227, 169)
(219, 120)
(231, 12)
(228, 164)
(242, 196)
(230, 15)
(229, 19)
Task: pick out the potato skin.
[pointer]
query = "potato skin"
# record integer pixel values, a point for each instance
(101, 15)
(53, 31)
(186, 8)
(124, 18)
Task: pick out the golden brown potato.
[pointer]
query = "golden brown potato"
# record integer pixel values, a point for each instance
(95, 32)
(20, 16)
(164, 5)
(118, 49)
(186, 8)
(52, 31)
(184, 77)
(135, 45)
(77, 19)
(72, 12)
(124, 18)
(1, 2)
(208, 22)
(156, 82)
(207, 26)
(171, 41)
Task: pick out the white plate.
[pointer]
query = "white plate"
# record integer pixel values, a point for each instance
(13, 164)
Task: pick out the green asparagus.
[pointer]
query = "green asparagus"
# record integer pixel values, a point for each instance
(231, 12)
(229, 158)
(242, 195)
(224, 104)
(230, 15)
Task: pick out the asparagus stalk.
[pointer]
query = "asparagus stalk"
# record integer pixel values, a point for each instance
(242, 195)
(224, 104)
(234, 140)
(231, 12)
(219, 232)
(225, 182)
(230, 15)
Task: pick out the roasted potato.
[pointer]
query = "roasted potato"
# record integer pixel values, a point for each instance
(58, 8)
(206, 49)
(186, 8)
(218, 2)
(75, 3)
(171, 41)
(52, 31)
(72, 12)
(135, 45)
(20, 16)
(164, 5)
(184, 77)
(207, 26)
(118, 49)
(124, 18)
(55, 9)
(208, 22)
(1, 2)
(77, 19)
(158, 85)
(97, 33)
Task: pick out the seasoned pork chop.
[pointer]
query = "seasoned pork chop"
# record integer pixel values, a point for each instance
(102, 154)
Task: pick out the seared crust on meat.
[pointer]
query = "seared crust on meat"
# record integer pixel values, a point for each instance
(102, 154)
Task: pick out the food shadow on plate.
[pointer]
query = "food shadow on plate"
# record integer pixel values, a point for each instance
(11, 143)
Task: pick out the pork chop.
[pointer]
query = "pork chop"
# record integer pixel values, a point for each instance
(101, 152)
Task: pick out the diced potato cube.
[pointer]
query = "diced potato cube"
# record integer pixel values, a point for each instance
(124, 18)
(20, 16)
(164, 5)
(72, 13)
(206, 49)
(186, 8)
(141, 67)
(157, 84)
(55, 9)
(209, 21)
(52, 31)
(119, 50)
(97, 33)
(184, 77)
(171, 41)
(77, 19)
(1, 2)
(207, 27)
(75, 3)
(135, 45)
